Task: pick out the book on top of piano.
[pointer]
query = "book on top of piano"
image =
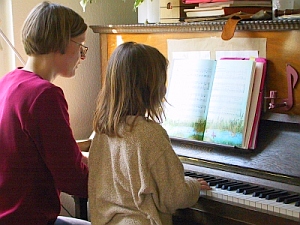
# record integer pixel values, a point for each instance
(227, 8)
(209, 3)
(202, 1)
(215, 101)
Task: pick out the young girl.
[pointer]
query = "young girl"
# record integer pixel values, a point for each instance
(135, 175)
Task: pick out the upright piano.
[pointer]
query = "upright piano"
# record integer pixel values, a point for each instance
(265, 177)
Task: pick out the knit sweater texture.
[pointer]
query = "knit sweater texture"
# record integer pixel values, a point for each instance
(137, 179)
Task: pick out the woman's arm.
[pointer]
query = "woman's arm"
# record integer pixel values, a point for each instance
(84, 145)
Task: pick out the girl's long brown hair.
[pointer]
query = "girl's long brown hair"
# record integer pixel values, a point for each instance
(134, 86)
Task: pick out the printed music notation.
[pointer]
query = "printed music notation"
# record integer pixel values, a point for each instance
(189, 88)
(209, 100)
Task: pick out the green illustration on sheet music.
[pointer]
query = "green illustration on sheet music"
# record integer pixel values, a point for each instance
(209, 100)
(229, 102)
(188, 91)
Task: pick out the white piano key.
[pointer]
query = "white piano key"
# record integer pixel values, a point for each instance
(257, 203)
(296, 213)
(265, 203)
(203, 192)
(229, 196)
(209, 193)
(272, 205)
(214, 194)
(277, 208)
(244, 199)
(285, 209)
(289, 209)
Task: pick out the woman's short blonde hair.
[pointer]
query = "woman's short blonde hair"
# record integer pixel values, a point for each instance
(49, 28)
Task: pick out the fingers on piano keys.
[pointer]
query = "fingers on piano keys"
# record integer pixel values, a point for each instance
(268, 199)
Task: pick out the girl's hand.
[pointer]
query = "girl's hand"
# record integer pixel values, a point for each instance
(204, 184)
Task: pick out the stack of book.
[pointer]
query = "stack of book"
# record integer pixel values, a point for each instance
(220, 8)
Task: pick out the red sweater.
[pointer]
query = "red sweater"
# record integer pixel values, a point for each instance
(39, 156)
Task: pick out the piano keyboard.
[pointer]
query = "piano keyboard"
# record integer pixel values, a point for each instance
(258, 197)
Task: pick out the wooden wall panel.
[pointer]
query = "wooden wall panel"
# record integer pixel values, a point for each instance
(282, 48)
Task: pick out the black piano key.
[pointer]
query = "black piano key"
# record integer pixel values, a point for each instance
(297, 204)
(263, 195)
(257, 193)
(292, 199)
(252, 190)
(205, 176)
(187, 173)
(216, 181)
(282, 198)
(276, 195)
(242, 189)
(226, 185)
(235, 187)
(221, 184)
(200, 176)
(207, 179)
(192, 175)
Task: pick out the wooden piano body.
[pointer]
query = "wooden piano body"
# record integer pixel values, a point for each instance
(276, 161)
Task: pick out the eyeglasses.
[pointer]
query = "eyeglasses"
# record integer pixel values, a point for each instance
(83, 49)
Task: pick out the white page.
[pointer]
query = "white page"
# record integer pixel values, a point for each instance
(239, 54)
(191, 55)
(229, 102)
(214, 44)
(188, 95)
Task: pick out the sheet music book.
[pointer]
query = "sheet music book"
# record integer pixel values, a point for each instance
(215, 101)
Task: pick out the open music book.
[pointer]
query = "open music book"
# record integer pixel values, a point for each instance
(216, 101)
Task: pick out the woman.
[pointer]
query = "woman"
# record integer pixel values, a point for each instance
(135, 175)
(39, 156)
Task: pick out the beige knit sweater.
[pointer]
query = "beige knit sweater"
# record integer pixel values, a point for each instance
(137, 179)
